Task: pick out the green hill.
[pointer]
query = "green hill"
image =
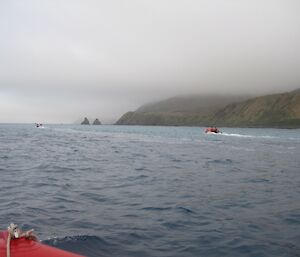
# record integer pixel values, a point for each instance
(277, 110)
(178, 111)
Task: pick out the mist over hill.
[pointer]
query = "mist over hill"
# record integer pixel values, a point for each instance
(188, 110)
(276, 110)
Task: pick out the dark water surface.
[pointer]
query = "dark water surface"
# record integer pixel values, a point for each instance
(153, 191)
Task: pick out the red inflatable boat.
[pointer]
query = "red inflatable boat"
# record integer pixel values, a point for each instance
(22, 247)
(212, 130)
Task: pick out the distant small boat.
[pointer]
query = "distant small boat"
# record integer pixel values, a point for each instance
(212, 130)
(39, 125)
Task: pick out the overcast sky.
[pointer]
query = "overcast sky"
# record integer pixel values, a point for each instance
(61, 60)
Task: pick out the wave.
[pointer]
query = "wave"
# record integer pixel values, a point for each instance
(86, 245)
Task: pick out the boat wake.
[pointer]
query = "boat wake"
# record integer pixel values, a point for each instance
(235, 135)
(245, 136)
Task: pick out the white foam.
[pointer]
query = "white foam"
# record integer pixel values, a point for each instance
(236, 135)
(246, 136)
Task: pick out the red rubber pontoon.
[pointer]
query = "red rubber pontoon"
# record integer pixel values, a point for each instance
(23, 247)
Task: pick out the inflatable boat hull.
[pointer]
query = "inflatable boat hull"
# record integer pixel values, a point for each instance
(28, 248)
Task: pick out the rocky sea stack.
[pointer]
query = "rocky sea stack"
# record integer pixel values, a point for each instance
(85, 121)
(96, 122)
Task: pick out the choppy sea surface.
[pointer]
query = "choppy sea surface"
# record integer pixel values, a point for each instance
(153, 191)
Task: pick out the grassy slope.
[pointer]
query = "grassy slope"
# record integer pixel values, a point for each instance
(279, 110)
(178, 111)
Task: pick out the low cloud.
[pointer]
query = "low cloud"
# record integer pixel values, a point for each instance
(61, 60)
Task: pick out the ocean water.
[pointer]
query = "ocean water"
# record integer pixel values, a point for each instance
(153, 191)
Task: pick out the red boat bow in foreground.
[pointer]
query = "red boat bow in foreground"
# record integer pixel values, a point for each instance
(23, 247)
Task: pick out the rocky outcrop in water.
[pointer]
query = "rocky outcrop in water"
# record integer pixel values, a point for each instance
(85, 121)
(96, 122)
